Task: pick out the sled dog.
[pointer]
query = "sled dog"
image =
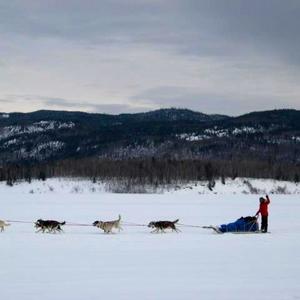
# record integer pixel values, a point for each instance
(51, 226)
(3, 225)
(162, 225)
(108, 226)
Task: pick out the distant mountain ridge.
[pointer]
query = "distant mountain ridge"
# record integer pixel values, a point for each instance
(47, 135)
(171, 114)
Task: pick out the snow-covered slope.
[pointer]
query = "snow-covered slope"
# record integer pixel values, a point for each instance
(84, 263)
(84, 186)
(243, 186)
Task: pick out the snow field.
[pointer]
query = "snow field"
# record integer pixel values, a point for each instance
(83, 186)
(84, 263)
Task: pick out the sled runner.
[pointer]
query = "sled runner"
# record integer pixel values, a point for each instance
(250, 232)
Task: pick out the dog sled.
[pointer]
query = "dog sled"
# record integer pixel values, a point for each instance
(242, 225)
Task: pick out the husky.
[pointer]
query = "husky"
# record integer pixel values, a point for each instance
(162, 225)
(108, 226)
(3, 224)
(50, 225)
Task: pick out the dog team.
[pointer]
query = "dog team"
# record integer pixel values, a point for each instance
(52, 226)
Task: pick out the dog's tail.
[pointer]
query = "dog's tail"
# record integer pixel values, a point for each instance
(174, 222)
(62, 223)
(119, 218)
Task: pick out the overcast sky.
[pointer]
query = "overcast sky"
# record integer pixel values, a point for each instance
(115, 56)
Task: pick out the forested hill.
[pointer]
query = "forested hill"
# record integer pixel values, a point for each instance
(181, 133)
(268, 137)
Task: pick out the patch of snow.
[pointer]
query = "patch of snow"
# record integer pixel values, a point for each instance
(9, 131)
(217, 132)
(246, 129)
(191, 137)
(42, 126)
(10, 142)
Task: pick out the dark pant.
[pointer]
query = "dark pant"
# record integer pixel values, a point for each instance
(264, 223)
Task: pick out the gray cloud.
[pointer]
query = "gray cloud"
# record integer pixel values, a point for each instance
(208, 27)
(67, 104)
(91, 107)
(182, 97)
(130, 55)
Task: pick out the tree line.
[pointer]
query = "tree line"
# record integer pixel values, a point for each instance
(151, 171)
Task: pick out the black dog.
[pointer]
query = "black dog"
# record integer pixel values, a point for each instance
(161, 225)
(51, 226)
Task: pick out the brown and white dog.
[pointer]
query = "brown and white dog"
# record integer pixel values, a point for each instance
(162, 225)
(3, 224)
(108, 226)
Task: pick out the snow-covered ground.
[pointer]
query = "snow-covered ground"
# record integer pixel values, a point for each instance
(84, 186)
(84, 263)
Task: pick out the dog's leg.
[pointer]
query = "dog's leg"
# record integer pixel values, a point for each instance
(2, 228)
(176, 230)
(57, 229)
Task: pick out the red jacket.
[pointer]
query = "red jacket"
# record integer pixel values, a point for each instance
(263, 208)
